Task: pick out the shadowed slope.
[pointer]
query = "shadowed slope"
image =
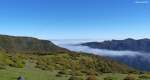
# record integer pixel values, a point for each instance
(15, 44)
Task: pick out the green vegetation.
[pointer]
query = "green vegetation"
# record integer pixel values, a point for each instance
(75, 64)
(75, 78)
(110, 78)
(42, 60)
(91, 77)
(60, 66)
(14, 44)
(145, 76)
(11, 73)
(130, 78)
(17, 51)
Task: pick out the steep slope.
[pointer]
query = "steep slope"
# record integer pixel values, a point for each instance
(140, 60)
(15, 44)
(76, 63)
(141, 45)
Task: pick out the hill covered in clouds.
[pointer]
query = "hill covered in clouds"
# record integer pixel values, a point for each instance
(141, 45)
(136, 59)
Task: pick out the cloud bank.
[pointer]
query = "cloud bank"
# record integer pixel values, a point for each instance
(73, 45)
(133, 59)
(102, 52)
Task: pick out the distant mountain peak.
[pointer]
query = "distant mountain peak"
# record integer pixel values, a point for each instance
(130, 39)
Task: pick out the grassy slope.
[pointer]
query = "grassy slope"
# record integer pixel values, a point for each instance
(36, 74)
(41, 60)
(59, 61)
(13, 44)
(31, 72)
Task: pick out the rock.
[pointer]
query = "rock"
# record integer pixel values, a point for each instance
(20, 78)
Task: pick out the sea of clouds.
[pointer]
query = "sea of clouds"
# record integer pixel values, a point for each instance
(131, 58)
(74, 45)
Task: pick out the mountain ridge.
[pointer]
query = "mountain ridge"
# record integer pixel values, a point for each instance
(46, 56)
(129, 44)
(27, 45)
(139, 61)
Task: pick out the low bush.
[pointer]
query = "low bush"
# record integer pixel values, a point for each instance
(76, 73)
(75, 78)
(2, 66)
(91, 77)
(64, 72)
(92, 72)
(59, 75)
(145, 76)
(110, 78)
(130, 78)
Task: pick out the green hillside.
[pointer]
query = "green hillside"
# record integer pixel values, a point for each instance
(14, 44)
(30, 57)
(57, 66)
(82, 63)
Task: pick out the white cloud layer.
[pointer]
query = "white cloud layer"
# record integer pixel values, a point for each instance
(73, 46)
(102, 52)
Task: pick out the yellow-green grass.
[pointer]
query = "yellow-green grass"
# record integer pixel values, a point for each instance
(36, 74)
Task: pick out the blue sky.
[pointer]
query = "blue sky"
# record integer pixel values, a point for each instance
(76, 19)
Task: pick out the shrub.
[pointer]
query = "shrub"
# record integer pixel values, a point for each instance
(145, 76)
(92, 72)
(91, 77)
(2, 66)
(50, 67)
(110, 78)
(63, 72)
(58, 75)
(17, 61)
(133, 72)
(4, 60)
(76, 73)
(18, 64)
(75, 78)
(129, 78)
